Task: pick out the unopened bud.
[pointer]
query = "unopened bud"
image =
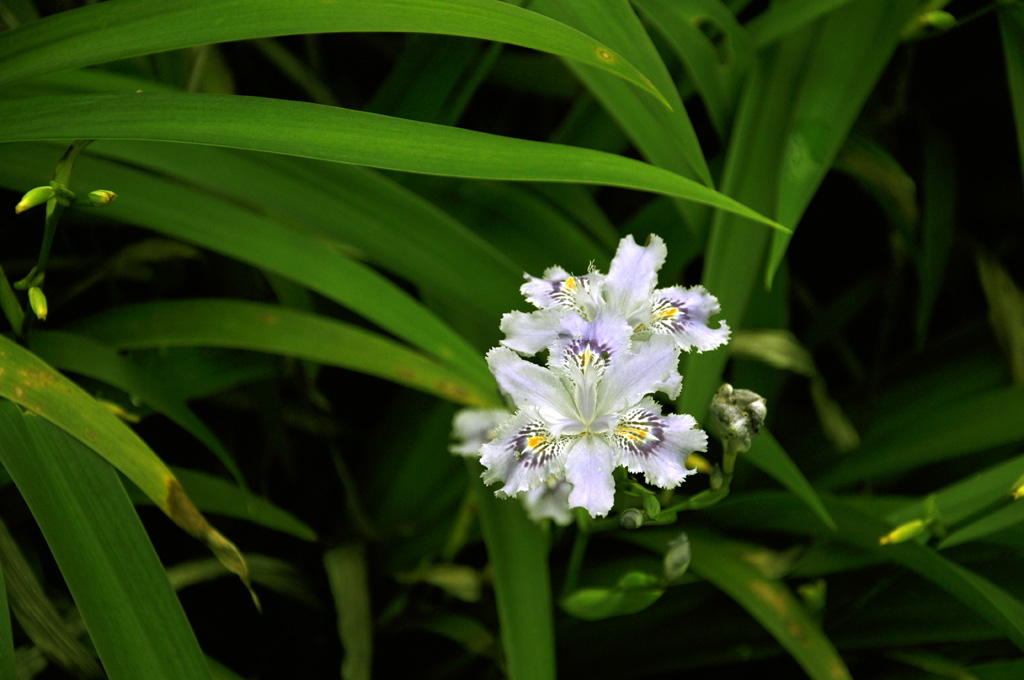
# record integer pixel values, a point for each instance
(34, 197)
(37, 301)
(1017, 490)
(631, 519)
(652, 507)
(697, 462)
(737, 415)
(904, 532)
(101, 197)
(677, 559)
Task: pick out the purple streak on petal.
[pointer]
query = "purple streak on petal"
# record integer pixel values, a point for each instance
(683, 313)
(524, 454)
(657, 445)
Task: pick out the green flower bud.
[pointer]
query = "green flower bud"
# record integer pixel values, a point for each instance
(677, 559)
(631, 519)
(904, 532)
(37, 196)
(737, 416)
(101, 197)
(37, 301)
(652, 507)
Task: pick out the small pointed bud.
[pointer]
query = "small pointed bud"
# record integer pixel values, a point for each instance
(101, 197)
(37, 301)
(1017, 490)
(737, 415)
(813, 595)
(904, 532)
(677, 559)
(697, 462)
(119, 411)
(652, 507)
(37, 196)
(631, 519)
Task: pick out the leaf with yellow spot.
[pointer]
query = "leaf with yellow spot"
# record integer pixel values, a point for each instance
(29, 382)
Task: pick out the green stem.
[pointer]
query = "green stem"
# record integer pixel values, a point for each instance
(11, 307)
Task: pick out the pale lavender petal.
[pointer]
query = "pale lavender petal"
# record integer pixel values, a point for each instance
(651, 366)
(523, 454)
(657, 445)
(550, 501)
(533, 332)
(588, 467)
(529, 384)
(634, 274)
(546, 291)
(474, 427)
(683, 313)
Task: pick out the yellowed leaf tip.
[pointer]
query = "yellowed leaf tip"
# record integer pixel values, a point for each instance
(185, 514)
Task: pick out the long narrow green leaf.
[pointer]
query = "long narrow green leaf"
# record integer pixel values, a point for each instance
(7, 669)
(1003, 518)
(84, 356)
(220, 497)
(254, 238)
(851, 49)
(1011, 28)
(270, 328)
(518, 554)
(983, 596)
(126, 28)
(112, 571)
(393, 227)
(717, 71)
(26, 380)
(965, 426)
(665, 137)
(296, 128)
(768, 456)
(720, 561)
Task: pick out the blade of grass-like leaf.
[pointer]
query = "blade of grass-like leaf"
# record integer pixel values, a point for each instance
(717, 71)
(734, 257)
(394, 227)
(983, 596)
(720, 562)
(768, 456)
(782, 18)
(967, 425)
(220, 497)
(851, 49)
(938, 210)
(270, 328)
(1003, 518)
(862, 529)
(84, 356)
(112, 571)
(261, 241)
(127, 28)
(7, 668)
(665, 136)
(346, 574)
(1011, 28)
(26, 380)
(522, 583)
(296, 128)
